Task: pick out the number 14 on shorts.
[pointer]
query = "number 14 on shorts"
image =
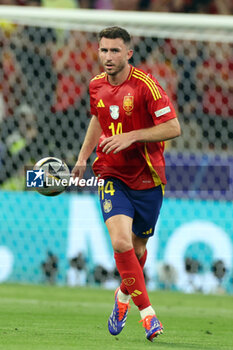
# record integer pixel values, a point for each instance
(108, 188)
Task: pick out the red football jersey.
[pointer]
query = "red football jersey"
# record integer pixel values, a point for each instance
(138, 103)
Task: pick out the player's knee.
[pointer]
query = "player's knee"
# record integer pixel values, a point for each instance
(121, 245)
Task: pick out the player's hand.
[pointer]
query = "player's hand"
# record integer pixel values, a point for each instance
(79, 169)
(116, 143)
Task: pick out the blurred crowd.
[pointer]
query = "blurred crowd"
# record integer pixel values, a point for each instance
(43, 110)
(223, 7)
(197, 277)
(44, 76)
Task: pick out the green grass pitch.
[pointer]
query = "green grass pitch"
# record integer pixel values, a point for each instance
(61, 318)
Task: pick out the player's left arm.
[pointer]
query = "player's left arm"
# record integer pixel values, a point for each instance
(166, 125)
(162, 132)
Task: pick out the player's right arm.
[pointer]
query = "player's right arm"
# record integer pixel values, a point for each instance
(93, 134)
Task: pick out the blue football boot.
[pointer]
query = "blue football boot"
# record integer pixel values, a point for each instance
(118, 316)
(153, 327)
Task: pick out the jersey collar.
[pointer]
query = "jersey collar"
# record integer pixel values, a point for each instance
(131, 72)
(129, 76)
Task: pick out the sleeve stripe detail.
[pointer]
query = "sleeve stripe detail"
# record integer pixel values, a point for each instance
(148, 80)
(102, 75)
(151, 89)
(146, 76)
(152, 83)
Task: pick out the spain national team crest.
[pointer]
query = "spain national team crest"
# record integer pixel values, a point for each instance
(107, 205)
(128, 104)
(129, 281)
(114, 111)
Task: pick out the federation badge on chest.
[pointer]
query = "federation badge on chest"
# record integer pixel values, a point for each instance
(114, 112)
(128, 104)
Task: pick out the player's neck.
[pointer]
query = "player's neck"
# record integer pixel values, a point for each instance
(119, 78)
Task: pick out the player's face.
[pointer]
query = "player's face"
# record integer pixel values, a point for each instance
(114, 55)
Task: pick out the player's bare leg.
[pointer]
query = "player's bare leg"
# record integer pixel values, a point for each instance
(120, 230)
(139, 245)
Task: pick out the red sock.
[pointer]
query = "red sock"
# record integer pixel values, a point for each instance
(132, 276)
(142, 262)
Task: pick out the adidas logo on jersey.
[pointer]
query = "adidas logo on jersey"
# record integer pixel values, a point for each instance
(100, 103)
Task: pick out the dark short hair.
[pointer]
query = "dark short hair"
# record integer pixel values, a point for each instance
(115, 33)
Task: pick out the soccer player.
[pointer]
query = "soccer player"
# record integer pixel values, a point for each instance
(131, 118)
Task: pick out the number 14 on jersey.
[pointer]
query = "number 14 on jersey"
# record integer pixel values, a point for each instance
(115, 130)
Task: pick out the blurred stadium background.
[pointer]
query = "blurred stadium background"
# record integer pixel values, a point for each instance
(47, 58)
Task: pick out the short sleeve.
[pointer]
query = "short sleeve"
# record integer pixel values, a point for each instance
(158, 104)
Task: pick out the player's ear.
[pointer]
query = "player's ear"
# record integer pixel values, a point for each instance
(130, 54)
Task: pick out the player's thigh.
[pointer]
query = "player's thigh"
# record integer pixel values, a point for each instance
(114, 199)
(118, 213)
(147, 205)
